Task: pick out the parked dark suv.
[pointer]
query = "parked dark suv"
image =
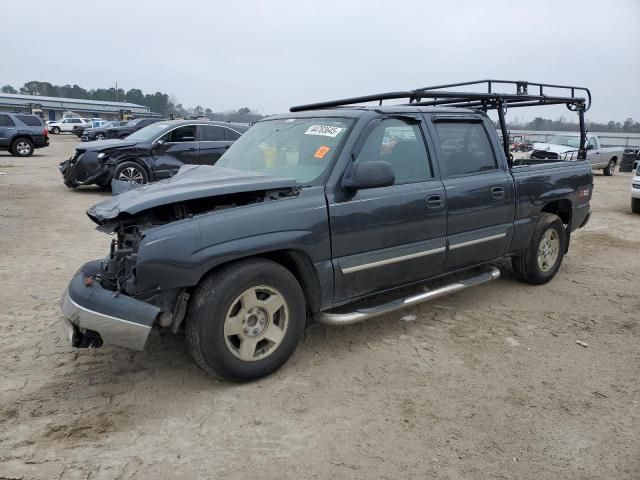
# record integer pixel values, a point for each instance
(22, 133)
(152, 153)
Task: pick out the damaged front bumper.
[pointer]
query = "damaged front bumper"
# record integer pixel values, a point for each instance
(92, 314)
(79, 171)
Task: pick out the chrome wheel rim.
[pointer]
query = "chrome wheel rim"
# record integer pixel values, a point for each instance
(131, 175)
(548, 250)
(23, 148)
(256, 323)
(100, 136)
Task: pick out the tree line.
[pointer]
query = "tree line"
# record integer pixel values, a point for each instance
(158, 102)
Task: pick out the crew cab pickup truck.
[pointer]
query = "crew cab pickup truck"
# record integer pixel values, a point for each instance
(332, 213)
(565, 147)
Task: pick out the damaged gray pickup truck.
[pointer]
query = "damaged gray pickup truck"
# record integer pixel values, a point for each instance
(335, 212)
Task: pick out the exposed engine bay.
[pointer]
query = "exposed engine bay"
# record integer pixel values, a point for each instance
(119, 266)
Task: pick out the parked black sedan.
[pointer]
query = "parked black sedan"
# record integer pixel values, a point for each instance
(122, 130)
(152, 153)
(98, 133)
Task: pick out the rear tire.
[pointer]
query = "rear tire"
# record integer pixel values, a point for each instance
(610, 168)
(245, 320)
(22, 147)
(542, 259)
(635, 205)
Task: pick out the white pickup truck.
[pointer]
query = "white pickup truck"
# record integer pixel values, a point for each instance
(565, 147)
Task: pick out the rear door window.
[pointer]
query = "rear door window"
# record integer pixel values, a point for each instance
(5, 121)
(30, 120)
(465, 148)
(210, 133)
(231, 135)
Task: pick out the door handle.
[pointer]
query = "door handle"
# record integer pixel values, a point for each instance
(192, 149)
(434, 202)
(497, 193)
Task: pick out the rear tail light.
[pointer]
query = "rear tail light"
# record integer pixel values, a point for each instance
(45, 132)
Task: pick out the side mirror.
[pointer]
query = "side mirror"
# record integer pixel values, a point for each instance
(160, 142)
(371, 175)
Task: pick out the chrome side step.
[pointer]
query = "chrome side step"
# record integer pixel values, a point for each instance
(366, 313)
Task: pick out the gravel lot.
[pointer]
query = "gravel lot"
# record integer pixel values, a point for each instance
(487, 383)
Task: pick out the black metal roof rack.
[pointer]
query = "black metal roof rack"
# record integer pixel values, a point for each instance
(526, 94)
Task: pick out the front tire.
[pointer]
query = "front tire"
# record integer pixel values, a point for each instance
(610, 168)
(22, 147)
(245, 320)
(542, 259)
(635, 205)
(55, 130)
(100, 136)
(131, 172)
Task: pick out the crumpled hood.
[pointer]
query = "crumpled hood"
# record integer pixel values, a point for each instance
(191, 182)
(550, 147)
(98, 145)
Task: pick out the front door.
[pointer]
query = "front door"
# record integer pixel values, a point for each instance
(479, 191)
(389, 236)
(178, 147)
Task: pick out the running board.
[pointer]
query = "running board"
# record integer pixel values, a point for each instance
(366, 313)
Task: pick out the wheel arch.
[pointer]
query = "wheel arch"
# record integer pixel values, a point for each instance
(295, 261)
(136, 160)
(563, 208)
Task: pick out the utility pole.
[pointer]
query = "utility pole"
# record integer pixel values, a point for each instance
(116, 91)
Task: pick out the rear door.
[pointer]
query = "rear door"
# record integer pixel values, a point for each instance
(212, 142)
(594, 155)
(179, 147)
(479, 190)
(389, 236)
(7, 129)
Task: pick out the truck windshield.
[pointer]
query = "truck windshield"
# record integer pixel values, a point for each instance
(566, 140)
(300, 148)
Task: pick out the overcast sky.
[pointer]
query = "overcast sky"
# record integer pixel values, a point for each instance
(269, 55)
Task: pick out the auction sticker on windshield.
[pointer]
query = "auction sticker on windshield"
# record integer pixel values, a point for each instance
(323, 130)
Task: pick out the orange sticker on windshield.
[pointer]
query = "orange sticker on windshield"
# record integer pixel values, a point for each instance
(321, 152)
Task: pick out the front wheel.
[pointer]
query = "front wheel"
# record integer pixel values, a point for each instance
(101, 136)
(542, 259)
(245, 320)
(131, 172)
(55, 130)
(610, 168)
(635, 205)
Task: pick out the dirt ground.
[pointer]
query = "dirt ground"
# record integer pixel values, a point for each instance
(487, 383)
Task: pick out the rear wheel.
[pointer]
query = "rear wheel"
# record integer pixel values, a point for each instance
(245, 320)
(542, 259)
(610, 169)
(131, 172)
(635, 205)
(22, 147)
